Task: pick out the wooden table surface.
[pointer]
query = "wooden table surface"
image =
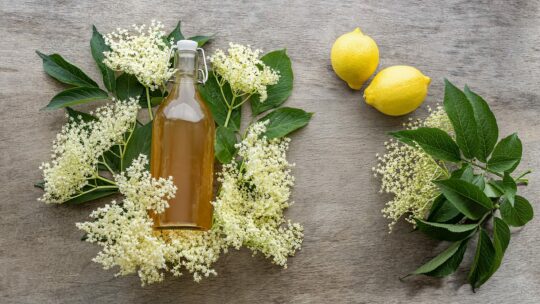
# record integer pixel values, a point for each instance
(348, 255)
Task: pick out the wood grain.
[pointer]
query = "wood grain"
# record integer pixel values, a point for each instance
(348, 255)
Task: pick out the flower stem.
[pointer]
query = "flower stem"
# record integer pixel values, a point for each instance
(149, 104)
(229, 112)
(93, 189)
(97, 176)
(241, 103)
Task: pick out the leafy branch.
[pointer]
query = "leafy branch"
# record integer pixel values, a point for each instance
(480, 190)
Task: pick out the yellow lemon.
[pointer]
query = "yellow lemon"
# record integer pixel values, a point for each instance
(354, 57)
(397, 90)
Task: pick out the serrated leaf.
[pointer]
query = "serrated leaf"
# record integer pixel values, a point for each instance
(483, 261)
(139, 143)
(506, 155)
(501, 239)
(211, 94)
(176, 35)
(80, 116)
(285, 120)
(446, 262)
(127, 86)
(467, 174)
(224, 145)
(278, 93)
(487, 129)
(466, 197)
(433, 141)
(65, 72)
(461, 115)
(519, 214)
(201, 40)
(98, 46)
(479, 181)
(75, 96)
(492, 191)
(509, 188)
(442, 211)
(445, 232)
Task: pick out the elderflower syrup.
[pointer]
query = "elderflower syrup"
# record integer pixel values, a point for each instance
(183, 147)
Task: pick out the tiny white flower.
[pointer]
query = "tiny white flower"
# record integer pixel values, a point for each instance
(242, 68)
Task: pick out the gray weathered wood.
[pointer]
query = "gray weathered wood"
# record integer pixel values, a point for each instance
(348, 256)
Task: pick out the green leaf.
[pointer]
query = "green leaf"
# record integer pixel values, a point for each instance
(75, 96)
(483, 261)
(492, 191)
(509, 188)
(211, 94)
(487, 129)
(466, 197)
(479, 181)
(446, 262)
(80, 116)
(442, 211)
(519, 214)
(139, 143)
(467, 174)
(284, 121)
(507, 154)
(445, 232)
(201, 40)
(224, 145)
(128, 86)
(156, 98)
(40, 184)
(91, 196)
(65, 72)
(461, 115)
(176, 34)
(278, 93)
(433, 141)
(98, 46)
(501, 239)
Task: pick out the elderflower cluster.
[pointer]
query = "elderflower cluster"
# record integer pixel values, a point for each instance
(247, 212)
(125, 229)
(249, 208)
(145, 54)
(407, 173)
(243, 70)
(78, 147)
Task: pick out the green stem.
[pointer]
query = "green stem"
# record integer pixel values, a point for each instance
(106, 165)
(149, 104)
(241, 103)
(93, 189)
(97, 176)
(484, 168)
(230, 108)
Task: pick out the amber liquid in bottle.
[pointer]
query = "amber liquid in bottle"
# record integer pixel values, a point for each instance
(183, 147)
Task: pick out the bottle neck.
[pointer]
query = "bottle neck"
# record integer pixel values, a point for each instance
(186, 65)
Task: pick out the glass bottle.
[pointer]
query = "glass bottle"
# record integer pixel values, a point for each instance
(183, 147)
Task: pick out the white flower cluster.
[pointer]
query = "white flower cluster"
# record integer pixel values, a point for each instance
(144, 54)
(243, 70)
(125, 229)
(407, 173)
(249, 208)
(78, 147)
(247, 212)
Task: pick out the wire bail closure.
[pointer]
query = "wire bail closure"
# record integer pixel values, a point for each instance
(204, 73)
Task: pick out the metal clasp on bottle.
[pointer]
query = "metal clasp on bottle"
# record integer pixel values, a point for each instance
(203, 73)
